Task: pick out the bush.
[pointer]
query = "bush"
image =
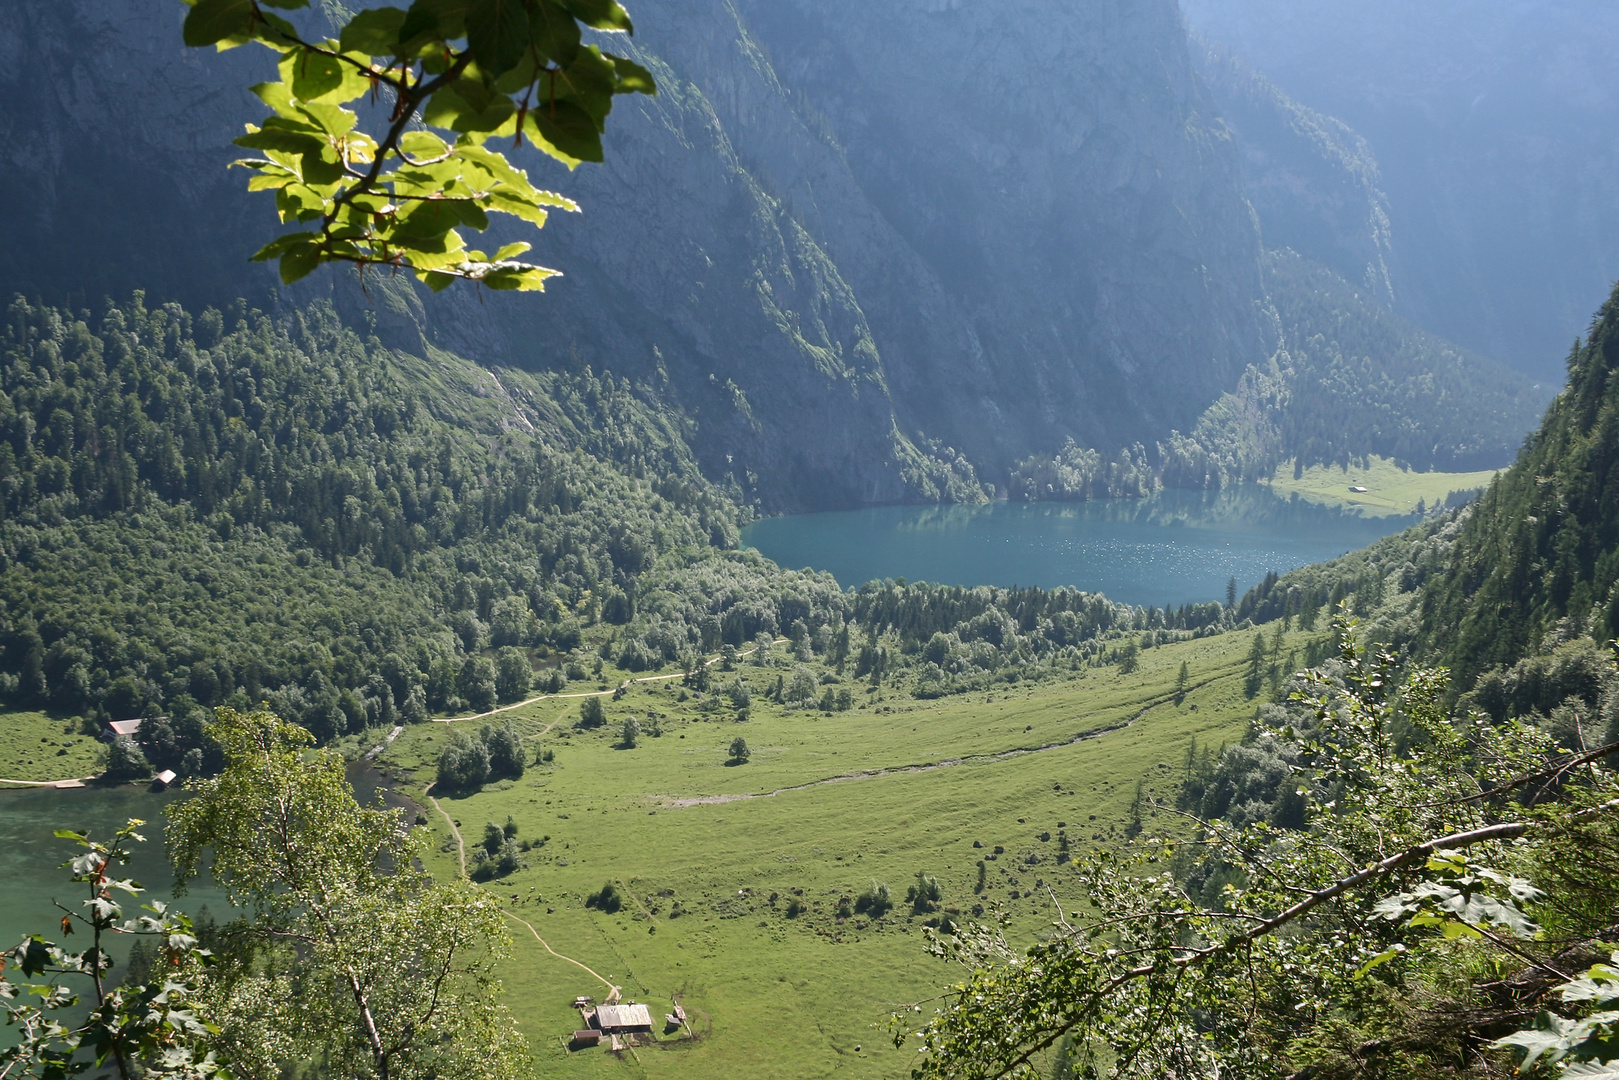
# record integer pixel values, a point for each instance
(505, 748)
(875, 902)
(513, 674)
(801, 690)
(591, 713)
(739, 750)
(476, 683)
(630, 735)
(925, 895)
(126, 761)
(463, 765)
(607, 899)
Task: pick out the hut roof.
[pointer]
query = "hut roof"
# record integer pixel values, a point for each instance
(623, 1017)
(123, 727)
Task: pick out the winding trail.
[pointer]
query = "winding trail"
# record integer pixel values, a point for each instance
(461, 853)
(612, 991)
(591, 693)
(946, 763)
(460, 845)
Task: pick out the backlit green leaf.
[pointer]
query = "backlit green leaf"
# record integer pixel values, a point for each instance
(291, 142)
(633, 78)
(436, 282)
(310, 74)
(600, 14)
(428, 21)
(374, 32)
(422, 145)
(497, 34)
(554, 33)
(521, 278)
(510, 204)
(212, 21)
(299, 263)
(564, 131)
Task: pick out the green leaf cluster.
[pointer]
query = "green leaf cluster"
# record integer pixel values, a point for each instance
(444, 77)
(159, 1026)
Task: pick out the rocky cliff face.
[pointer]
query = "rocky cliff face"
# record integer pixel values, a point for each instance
(1504, 209)
(874, 252)
(1313, 181)
(1068, 251)
(113, 146)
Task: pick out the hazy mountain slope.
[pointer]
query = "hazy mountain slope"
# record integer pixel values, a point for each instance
(858, 284)
(1062, 177)
(1362, 380)
(1313, 181)
(1504, 209)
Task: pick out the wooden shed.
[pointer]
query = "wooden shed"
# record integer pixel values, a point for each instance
(586, 1037)
(163, 779)
(616, 1019)
(116, 728)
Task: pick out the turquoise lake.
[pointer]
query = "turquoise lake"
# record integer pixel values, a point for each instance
(32, 883)
(1174, 548)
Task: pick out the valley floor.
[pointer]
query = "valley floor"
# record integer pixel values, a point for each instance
(709, 856)
(1388, 490)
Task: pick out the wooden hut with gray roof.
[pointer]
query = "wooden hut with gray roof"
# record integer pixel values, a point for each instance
(625, 1019)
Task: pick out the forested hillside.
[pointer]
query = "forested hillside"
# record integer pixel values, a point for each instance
(1537, 560)
(1362, 380)
(196, 507)
(230, 507)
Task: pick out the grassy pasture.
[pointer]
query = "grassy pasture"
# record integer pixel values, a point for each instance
(40, 746)
(1390, 490)
(876, 795)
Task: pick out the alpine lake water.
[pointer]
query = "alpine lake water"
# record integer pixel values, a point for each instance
(33, 884)
(1173, 548)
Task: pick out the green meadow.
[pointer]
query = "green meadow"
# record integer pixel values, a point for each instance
(39, 746)
(1390, 490)
(732, 874)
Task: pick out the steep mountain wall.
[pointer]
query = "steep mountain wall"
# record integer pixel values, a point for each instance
(1313, 181)
(1060, 179)
(113, 146)
(1504, 208)
(876, 253)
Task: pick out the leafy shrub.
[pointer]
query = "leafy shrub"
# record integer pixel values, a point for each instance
(126, 761)
(607, 899)
(505, 748)
(463, 765)
(591, 713)
(875, 902)
(925, 895)
(513, 674)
